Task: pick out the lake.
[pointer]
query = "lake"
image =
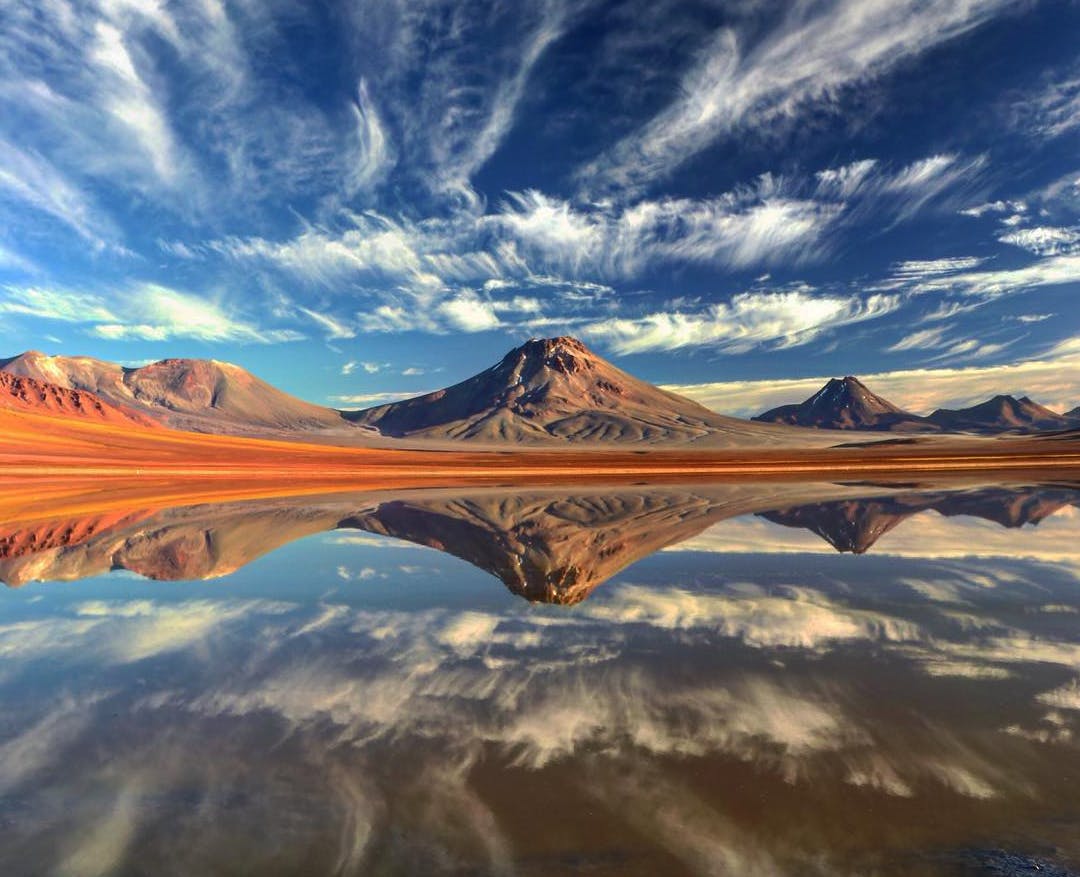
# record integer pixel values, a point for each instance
(745, 679)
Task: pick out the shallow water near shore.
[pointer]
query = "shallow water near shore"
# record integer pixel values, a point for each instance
(719, 679)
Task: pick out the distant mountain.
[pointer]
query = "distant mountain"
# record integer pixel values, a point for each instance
(558, 389)
(1001, 414)
(38, 397)
(193, 394)
(847, 403)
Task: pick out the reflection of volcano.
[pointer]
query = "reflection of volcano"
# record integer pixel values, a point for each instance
(854, 525)
(545, 545)
(547, 548)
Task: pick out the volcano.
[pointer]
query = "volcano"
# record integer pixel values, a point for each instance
(558, 389)
(847, 403)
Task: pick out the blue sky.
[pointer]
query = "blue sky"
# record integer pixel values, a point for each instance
(379, 197)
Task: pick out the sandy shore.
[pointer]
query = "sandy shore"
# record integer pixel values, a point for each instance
(45, 458)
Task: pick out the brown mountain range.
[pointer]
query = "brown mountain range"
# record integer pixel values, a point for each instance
(553, 392)
(847, 403)
(190, 394)
(1001, 414)
(557, 390)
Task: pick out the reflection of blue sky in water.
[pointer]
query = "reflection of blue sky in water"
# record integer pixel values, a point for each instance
(349, 703)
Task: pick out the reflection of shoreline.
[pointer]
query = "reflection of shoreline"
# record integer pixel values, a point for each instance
(545, 545)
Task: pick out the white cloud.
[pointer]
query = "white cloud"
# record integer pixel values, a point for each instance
(1067, 697)
(927, 179)
(49, 304)
(1049, 271)
(918, 269)
(1053, 111)
(32, 179)
(373, 156)
(1044, 240)
(751, 319)
(366, 400)
(846, 181)
(469, 313)
(478, 60)
(11, 260)
(994, 207)
(334, 328)
(812, 58)
(923, 339)
(132, 102)
(146, 311)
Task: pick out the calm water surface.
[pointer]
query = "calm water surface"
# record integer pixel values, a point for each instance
(744, 680)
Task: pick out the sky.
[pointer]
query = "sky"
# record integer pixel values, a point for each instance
(366, 200)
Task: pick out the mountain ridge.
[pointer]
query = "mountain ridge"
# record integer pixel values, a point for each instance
(1000, 413)
(848, 404)
(197, 395)
(556, 389)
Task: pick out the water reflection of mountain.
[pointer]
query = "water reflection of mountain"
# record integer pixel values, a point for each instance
(854, 525)
(897, 715)
(546, 545)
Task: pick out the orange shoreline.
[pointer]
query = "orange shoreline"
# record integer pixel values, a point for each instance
(47, 459)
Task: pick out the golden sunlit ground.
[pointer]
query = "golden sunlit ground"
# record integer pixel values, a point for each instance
(54, 464)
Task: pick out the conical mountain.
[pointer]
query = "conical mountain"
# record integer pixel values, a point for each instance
(558, 389)
(1001, 414)
(196, 394)
(846, 403)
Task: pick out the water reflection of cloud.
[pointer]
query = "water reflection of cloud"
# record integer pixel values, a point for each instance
(126, 631)
(374, 710)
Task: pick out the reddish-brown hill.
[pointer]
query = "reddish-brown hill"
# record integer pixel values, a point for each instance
(39, 397)
(195, 394)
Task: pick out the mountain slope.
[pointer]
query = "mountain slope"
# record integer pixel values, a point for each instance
(846, 403)
(39, 397)
(192, 394)
(556, 389)
(1000, 414)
